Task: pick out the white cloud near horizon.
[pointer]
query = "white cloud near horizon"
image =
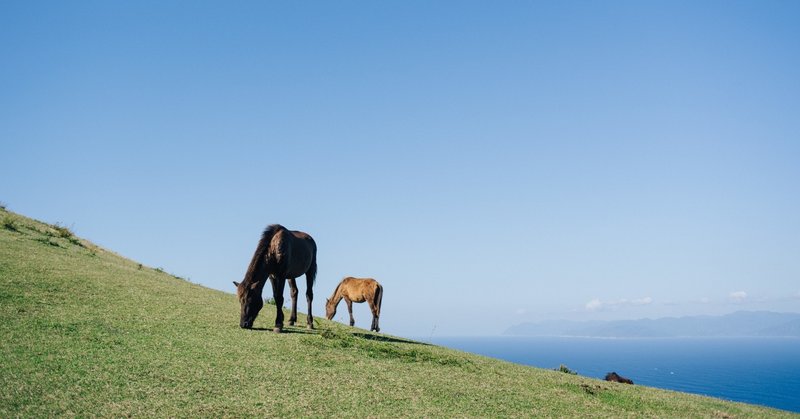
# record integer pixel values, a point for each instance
(737, 296)
(596, 304)
(642, 301)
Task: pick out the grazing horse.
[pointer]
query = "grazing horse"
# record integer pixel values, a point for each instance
(281, 254)
(357, 290)
(616, 378)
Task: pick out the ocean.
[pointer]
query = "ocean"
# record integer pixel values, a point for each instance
(763, 371)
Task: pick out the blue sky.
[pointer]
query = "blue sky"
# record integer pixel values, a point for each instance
(490, 163)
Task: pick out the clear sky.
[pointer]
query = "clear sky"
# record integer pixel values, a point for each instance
(489, 162)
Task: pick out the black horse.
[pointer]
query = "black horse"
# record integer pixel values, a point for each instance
(281, 254)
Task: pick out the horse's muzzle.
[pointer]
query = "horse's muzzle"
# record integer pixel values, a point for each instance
(246, 325)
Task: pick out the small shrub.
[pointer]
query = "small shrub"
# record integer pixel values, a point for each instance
(60, 231)
(2, 206)
(160, 270)
(49, 241)
(327, 333)
(333, 338)
(140, 267)
(271, 301)
(63, 231)
(592, 389)
(563, 368)
(9, 223)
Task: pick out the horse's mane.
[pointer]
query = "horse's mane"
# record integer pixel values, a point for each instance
(256, 269)
(336, 291)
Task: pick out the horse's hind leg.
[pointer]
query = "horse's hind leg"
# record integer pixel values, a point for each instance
(310, 294)
(350, 310)
(375, 323)
(278, 285)
(377, 300)
(374, 310)
(293, 294)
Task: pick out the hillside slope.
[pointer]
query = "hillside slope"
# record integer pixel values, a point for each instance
(86, 332)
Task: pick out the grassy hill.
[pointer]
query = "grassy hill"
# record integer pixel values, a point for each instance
(86, 332)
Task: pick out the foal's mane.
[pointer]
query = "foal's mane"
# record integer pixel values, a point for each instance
(336, 291)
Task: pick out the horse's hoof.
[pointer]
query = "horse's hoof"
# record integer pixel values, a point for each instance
(277, 329)
(291, 323)
(310, 327)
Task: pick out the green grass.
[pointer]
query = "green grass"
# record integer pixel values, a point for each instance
(86, 332)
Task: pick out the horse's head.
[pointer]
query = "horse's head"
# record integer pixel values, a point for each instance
(250, 300)
(330, 309)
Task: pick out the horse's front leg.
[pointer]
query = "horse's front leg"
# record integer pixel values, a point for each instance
(350, 310)
(277, 293)
(293, 294)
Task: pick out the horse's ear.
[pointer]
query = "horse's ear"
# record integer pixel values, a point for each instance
(236, 284)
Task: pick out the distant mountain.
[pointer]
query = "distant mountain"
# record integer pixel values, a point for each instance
(738, 324)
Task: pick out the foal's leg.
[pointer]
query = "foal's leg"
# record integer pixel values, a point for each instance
(293, 293)
(277, 293)
(350, 310)
(374, 310)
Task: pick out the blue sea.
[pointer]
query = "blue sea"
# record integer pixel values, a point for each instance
(763, 371)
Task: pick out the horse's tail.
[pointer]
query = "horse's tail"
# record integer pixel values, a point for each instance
(313, 269)
(258, 265)
(378, 298)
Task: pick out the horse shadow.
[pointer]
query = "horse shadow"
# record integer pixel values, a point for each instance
(381, 338)
(360, 335)
(287, 330)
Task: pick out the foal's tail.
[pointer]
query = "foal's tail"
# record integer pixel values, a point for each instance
(378, 298)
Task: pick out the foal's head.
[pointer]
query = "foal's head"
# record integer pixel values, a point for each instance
(330, 308)
(250, 300)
